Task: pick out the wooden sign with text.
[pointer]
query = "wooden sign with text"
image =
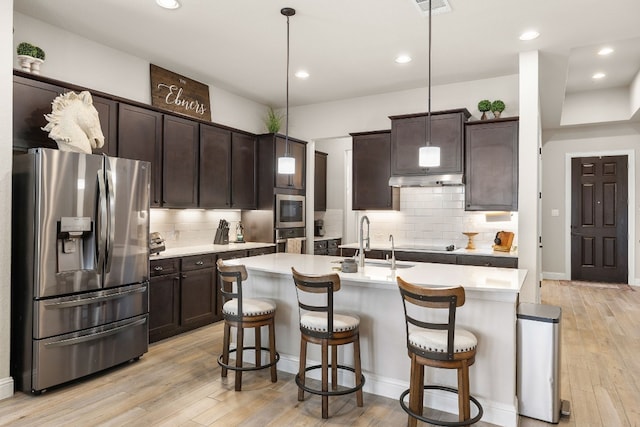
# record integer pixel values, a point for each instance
(179, 94)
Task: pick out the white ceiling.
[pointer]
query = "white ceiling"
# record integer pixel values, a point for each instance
(349, 46)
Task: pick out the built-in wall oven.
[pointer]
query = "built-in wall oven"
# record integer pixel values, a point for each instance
(289, 211)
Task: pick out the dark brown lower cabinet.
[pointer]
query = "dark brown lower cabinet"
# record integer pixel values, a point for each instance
(164, 298)
(198, 291)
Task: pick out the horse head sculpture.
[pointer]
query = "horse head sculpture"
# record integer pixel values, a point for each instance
(74, 123)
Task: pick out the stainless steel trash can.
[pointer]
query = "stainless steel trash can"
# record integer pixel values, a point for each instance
(538, 378)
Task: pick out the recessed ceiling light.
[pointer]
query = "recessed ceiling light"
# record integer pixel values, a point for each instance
(598, 76)
(168, 4)
(529, 35)
(302, 74)
(605, 51)
(403, 59)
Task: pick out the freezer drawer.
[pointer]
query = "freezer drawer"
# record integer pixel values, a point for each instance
(56, 316)
(67, 357)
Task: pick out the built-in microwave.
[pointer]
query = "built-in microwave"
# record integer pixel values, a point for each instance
(289, 211)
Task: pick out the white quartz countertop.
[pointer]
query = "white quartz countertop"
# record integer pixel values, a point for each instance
(482, 251)
(378, 272)
(327, 237)
(207, 249)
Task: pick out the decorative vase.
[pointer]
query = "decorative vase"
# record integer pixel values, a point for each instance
(496, 114)
(35, 65)
(25, 62)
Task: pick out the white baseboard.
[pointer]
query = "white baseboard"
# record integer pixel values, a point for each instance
(494, 412)
(549, 275)
(6, 388)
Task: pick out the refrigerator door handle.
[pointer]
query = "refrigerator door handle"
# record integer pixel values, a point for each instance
(101, 220)
(100, 298)
(111, 215)
(95, 336)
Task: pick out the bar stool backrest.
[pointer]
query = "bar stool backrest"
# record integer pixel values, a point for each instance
(414, 296)
(230, 274)
(323, 286)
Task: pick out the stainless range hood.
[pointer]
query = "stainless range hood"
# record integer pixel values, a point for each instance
(455, 179)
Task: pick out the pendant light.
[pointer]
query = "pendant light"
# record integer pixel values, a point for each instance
(287, 163)
(429, 156)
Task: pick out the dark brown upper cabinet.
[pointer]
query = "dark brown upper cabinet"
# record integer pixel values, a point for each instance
(180, 160)
(108, 114)
(320, 182)
(491, 166)
(243, 171)
(31, 101)
(270, 147)
(140, 138)
(227, 169)
(409, 133)
(371, 171)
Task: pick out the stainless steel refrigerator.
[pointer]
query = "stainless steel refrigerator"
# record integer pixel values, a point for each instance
(80, 265)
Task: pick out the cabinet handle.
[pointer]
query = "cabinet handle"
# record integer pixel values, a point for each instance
(184, 276)
(158, 268)
(199, 263)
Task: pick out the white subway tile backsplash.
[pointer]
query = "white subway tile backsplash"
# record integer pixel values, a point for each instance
(190, 227)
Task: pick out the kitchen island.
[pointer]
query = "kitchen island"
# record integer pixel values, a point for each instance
(372, 294)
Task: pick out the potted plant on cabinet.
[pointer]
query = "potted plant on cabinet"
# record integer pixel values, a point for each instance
(38, 60)
(273, 121)
(26, 55)
(497, 107)
(483, 107)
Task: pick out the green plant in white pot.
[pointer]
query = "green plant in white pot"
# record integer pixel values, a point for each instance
(26, 55)
(497, 107)
(483, 107)
(39, 59)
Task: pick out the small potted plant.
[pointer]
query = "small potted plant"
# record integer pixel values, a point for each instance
(273, 121)
(39, 59)
(483, 107)
(26, 55)
(497, 107)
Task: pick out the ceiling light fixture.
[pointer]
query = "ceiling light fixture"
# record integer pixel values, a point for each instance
(302, 74)
(403, 59)
(429, 156)
(287, 163)
(529, 35)
(168, 4)
(605, 51)
(598, 76)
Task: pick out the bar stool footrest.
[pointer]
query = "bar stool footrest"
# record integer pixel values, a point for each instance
(330, 392)
(248, 368)
(441, 422)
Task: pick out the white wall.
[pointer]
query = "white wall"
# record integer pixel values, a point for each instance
(74, 59)
(6, 137)
(596, 106)
(587, 139)
(634, 97)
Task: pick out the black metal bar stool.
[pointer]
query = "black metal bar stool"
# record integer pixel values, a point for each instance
(244, 313)
(319, 324)
(439, 345)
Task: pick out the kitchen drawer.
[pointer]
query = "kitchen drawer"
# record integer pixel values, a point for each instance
(332, 247)
(262, 251)
(160, 267)
(198, 262)
(488, 261)
(233, 254)
(319, 246)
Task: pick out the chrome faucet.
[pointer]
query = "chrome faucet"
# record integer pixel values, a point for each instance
(362, 239)
(393, 252)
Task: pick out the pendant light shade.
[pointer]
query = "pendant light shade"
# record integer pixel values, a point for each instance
(287, 163)
(429, 156)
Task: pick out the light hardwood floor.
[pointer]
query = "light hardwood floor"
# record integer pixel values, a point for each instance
(177, 383)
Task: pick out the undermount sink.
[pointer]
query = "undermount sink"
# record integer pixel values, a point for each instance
(387, 264)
